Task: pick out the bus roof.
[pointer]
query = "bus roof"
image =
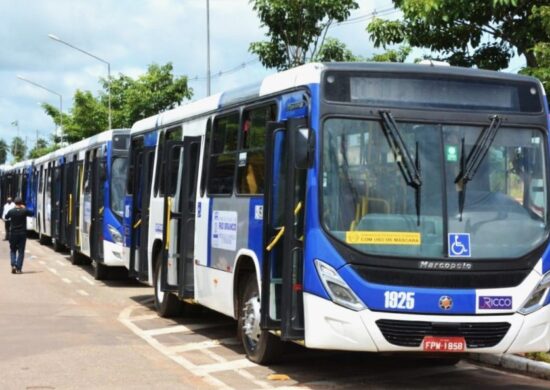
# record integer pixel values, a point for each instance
(305, 75)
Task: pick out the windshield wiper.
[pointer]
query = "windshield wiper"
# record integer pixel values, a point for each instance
(470, 165)
(410, 169)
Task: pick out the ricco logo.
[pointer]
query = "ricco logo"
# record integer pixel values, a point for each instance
(495, 303)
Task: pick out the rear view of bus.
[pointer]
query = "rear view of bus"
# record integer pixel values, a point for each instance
(428, 212)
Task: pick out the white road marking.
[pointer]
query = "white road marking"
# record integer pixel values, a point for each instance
(68, 281)
(83, 293)
(61, 263)
(144, 317)
(42, 262)
(203, 345)
(88, 280)
(53, 271)
(177, 329)
(225, 366)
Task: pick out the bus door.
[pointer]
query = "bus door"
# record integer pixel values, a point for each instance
(282, 301)
(143, 175)
(99, 175)
(55, 199)
(75, 207)
(179, 235)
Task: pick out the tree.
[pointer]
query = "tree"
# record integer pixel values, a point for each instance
(484, 33)
(3, 151)
(334, 50)
(296, 29)
(18, 149)
(541, 50)
(42, 148)
(131, 100)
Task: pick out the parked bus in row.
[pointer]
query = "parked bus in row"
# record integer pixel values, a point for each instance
(77, 195)
(18, 181)
(364, 207)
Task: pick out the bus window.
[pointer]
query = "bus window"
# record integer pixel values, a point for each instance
(119, 167)
(250, 173)
(159, 177)
(223, 155)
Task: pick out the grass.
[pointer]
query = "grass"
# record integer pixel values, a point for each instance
(540, 356)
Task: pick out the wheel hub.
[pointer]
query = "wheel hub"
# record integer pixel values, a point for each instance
(251, 319)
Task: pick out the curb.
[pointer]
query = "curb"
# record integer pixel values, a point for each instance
(514, 363)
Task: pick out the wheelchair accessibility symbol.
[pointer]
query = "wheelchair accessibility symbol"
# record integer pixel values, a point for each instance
(459, 245)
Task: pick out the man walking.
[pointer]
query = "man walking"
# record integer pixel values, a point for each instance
(18, 234)
(7, 207)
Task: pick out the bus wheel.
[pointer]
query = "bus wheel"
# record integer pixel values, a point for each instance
(76, 258)
(260, 346)
(42, 239)
(166, 303)
(56, 245)
(101, 271)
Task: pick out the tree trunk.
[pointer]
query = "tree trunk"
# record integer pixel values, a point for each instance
(531, 59)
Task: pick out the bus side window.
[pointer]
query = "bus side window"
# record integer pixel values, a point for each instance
(251, 162)
(159, 176)
(206, 156)
(223, 155)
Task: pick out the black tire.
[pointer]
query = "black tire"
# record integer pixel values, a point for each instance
(260, 346)
(56, 245)
(76, 258)
(101, 271)
(42, 239)
(167, 304)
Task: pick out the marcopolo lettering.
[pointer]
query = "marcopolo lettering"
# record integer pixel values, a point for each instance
(495, 303)
(445, 265)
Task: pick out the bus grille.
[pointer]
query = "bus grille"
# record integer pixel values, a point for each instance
(411, 333)
(435, 279)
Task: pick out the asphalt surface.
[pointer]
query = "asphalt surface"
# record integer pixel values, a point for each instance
(60, 329)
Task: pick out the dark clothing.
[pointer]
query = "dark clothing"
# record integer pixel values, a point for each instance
(18, 235)
(17, 249)
(7, 226)
(18, 220)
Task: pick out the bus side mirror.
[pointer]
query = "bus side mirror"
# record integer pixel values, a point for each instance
(305, 147)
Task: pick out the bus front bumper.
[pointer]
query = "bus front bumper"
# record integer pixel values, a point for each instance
(331, 326)
(112, 254)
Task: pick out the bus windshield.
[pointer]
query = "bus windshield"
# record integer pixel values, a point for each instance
(368, 204)
(118, 183)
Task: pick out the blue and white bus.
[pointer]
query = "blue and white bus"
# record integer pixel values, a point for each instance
(18, 181)
(361, 207)
(80, 198)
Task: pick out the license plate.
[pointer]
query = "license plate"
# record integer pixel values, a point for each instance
(444, 344)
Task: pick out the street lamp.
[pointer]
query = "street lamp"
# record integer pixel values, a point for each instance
(55, 93)
(56, 38)
(207, 47)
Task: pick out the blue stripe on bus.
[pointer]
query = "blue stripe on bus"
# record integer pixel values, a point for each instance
(426, 300)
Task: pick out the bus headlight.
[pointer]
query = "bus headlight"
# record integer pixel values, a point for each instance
(115, 234)
(536, 299)
(337, 288)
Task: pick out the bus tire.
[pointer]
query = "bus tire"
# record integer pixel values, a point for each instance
(56, 245)
(166, 304)
(101, 271)
(260, 345)
(76, 258)
(42, 239)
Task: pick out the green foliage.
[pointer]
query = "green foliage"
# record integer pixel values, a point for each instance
(484, 33)
(541, 50)
(131, 100)
(334, 50)
(3, 151)
(42, 148)
(296, 29)
(18, 149)
(393, 55)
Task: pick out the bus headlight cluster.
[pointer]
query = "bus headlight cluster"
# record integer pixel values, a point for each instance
(536, 299)
(115, 234)
(337, 288)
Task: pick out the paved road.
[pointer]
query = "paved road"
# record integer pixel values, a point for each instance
(60, 329)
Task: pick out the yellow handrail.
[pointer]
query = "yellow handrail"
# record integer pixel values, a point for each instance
(70, 208)
(168, 218)
(276, 239)
(136, 225)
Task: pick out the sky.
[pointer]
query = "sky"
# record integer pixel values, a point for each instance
(130, 35)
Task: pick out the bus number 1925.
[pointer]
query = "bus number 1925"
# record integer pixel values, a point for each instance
(399, 300)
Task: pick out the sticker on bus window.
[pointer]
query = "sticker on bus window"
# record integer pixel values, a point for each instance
(451, 153)
(384, 238)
